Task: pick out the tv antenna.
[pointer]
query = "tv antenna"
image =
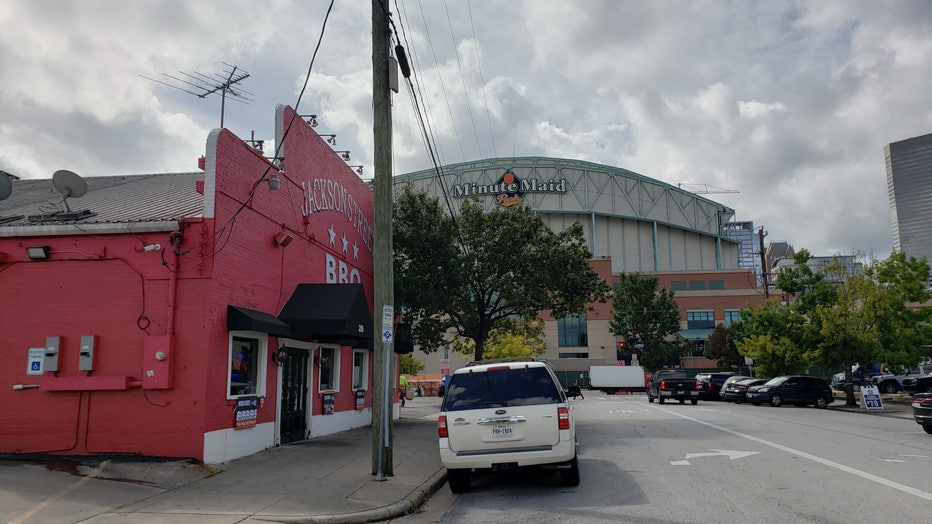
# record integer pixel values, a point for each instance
(202, 86)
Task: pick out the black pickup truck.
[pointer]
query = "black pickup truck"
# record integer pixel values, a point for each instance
(672, 384)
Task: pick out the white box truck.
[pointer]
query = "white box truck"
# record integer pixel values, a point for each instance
(610, 379)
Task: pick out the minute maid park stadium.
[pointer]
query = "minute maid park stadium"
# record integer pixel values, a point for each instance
(632, 224)
(640, 223)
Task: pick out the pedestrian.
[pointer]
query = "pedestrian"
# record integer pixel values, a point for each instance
(576, 391)
(403, 386)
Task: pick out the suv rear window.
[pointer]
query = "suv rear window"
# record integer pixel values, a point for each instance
(504, 387)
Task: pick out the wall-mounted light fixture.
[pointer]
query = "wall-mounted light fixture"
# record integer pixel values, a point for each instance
(279, 357)
(343, 154)
(275, 183)
(283, 239)
(311, 119)
(331, 139)
(38, 252)
(358, 170)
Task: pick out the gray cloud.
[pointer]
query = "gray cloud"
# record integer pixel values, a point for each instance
(790, 103)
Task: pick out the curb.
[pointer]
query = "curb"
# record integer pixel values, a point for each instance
(409, 505)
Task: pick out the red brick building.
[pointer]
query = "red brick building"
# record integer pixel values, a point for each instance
(207, 315)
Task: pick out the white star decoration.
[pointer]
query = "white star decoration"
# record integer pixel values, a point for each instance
(355, 251)
(345, 244)
(333, 235)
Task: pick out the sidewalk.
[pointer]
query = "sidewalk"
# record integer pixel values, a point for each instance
(325, 479)
(897, 405)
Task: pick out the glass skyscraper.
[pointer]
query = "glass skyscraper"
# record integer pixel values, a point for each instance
(909, 188)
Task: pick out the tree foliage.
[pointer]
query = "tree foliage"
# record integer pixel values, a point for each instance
(772, 335)
(839, 316)
(516, 339)
(463, 276)
(721, 348)
(408, 365)
(646, 315)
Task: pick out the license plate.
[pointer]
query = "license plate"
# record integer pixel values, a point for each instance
(503, 431)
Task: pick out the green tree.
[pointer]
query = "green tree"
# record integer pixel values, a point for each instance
(771, 335)
(871, 319)
(721, 347)
(410, 365)
(463, 276)
(510, 338)
(646, 316)
(516, 339)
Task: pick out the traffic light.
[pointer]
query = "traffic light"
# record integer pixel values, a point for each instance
(621, 354)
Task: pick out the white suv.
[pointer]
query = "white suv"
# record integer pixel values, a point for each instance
(498, 415)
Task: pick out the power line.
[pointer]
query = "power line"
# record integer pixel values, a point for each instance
(485, 99)
(442, 85)
(463, 78)
(278, 147)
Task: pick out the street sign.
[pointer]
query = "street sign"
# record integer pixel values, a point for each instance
(870, 398)
(388, 324)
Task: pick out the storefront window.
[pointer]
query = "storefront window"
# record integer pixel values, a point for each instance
(360, 369)
(328, 368)
(246, 370)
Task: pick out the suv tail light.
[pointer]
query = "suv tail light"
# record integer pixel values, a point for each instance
(663, 384)
(699, 386)
(442, 427)
(563, 416)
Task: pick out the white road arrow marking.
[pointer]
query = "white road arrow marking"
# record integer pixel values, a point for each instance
(715, 453)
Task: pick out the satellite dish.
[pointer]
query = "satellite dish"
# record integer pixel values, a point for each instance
(69, 183)
(6, 187)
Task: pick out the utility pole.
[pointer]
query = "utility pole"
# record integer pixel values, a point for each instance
(384, 362)
(763, 262)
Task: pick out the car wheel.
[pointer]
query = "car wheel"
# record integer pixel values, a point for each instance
(928, 427)
(821, 403)
(926, 388)
(694, 401)
(570, 477)
(682, 401)
(776, 400)
(889, 388)
(661, 400)
(458, 479)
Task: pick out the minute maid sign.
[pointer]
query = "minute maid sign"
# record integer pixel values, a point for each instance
(509, 190)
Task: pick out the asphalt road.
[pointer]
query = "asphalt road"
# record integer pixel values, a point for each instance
(714, 462)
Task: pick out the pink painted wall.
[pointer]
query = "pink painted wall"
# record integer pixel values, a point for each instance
(104, 285)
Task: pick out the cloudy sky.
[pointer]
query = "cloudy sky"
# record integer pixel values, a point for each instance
(788, 103)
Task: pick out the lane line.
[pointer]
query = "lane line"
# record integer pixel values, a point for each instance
(825, 462)
(39, 507)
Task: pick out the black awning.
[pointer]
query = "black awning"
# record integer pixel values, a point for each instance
(245, 319)
(329, 313)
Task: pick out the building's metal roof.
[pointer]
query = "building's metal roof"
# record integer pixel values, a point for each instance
(126, 199)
